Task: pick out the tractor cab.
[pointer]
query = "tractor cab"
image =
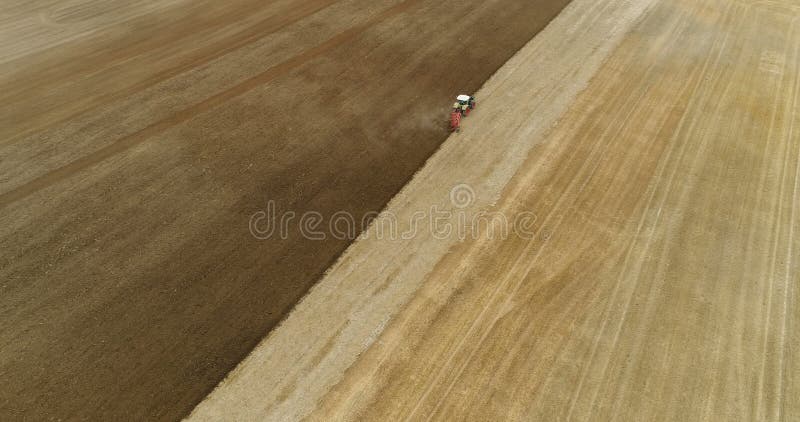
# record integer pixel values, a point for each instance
(466, 100)
(464, 103)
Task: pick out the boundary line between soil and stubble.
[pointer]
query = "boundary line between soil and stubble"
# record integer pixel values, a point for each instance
(345, 313)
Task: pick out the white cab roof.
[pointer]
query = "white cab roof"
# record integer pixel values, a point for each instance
(463, 97)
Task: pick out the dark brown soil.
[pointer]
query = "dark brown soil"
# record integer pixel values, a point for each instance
(132, 158)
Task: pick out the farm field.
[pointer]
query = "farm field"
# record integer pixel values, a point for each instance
(655, 142)
(138, 138)
(619, 212)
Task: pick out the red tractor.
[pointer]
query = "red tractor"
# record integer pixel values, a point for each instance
(463, 106)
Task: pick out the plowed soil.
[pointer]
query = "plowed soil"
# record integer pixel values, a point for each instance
(137, 140)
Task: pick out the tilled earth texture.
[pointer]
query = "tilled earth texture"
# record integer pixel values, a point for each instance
(138, 138)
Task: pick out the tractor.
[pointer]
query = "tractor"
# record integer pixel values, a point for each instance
(463, 106)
